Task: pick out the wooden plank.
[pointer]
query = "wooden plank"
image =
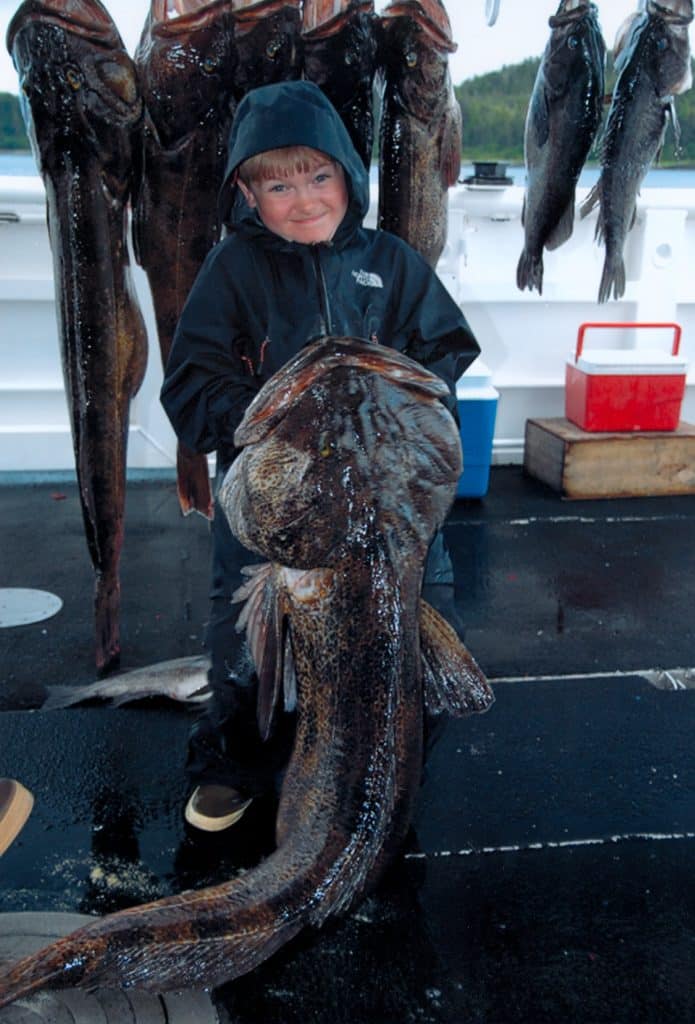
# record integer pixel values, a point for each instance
(583, 464)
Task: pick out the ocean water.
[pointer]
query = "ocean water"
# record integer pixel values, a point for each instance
(17, 164)
(22, 165)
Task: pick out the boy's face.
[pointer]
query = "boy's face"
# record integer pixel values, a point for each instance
(306, 206)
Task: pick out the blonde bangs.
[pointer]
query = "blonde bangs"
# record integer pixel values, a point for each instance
(281, 163)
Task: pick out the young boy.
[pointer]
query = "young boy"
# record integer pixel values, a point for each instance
(296, 265)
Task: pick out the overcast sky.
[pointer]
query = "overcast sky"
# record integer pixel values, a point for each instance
(521, 31)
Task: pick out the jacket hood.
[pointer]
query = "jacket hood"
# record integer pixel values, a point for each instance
(291, 114)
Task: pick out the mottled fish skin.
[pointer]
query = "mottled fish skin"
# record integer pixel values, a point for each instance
(186, 66)
(83, 111)
(269, 43)
(563, 117)
(653, 65)
(420, 131)
(350, 464)
(180, 679)
(340, 57)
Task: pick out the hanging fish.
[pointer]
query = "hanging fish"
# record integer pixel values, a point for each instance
(420, 134)
(340, 50)
(653, 65)
(336, 615)
(563, 117)
(83, 111)
(186, 63)
(267, 36)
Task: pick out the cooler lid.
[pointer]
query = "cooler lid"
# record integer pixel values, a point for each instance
(477, 375)
(629, 361)
(485, 393)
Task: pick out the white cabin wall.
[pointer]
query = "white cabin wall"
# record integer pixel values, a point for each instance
(525, 338)
(34, 424)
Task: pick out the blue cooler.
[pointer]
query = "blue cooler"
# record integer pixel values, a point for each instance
(477, 406)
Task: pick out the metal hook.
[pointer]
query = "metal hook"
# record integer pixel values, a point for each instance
(492, 9)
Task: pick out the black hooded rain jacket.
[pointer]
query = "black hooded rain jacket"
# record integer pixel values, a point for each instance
(259, 299)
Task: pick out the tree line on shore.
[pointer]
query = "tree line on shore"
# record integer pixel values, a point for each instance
(12, 133)
(494, 109)
(494, 114)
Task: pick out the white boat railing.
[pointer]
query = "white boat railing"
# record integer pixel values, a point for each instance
(525, 338)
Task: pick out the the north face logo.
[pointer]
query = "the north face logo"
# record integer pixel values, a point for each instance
(366, 278)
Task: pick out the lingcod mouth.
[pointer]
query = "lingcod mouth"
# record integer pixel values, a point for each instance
(175, 16)
(248, 13)
(85, 18)
(430, 15)
(321, 20)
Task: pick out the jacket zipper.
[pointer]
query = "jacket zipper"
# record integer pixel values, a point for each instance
(324, 303)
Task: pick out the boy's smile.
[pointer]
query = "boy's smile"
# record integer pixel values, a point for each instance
(305, 206)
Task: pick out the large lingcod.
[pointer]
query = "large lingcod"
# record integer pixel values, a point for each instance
(349, 466)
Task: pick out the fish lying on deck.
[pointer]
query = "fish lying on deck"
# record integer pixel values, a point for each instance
(186, 65)
(420, 132)
(653, 64)
(83, 110)
(349, 465)
(180, 679)
(563, 117)
(340, 56)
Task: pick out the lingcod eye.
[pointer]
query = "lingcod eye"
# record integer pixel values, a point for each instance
(411, 59)
(209, 65)
(74, 79)
(572, 42)
(273, 48)
(326, 446)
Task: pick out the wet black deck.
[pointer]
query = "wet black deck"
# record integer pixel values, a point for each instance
(549, 874)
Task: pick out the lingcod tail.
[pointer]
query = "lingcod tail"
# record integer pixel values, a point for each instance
(204, 938)
(196, 940)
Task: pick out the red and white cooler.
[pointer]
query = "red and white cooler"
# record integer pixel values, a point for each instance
(625, 389)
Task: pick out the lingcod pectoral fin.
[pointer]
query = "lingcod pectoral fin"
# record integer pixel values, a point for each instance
(262, 619)
(453, 681)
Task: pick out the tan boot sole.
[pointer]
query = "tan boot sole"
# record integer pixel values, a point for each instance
(14, 813)
(207, 824)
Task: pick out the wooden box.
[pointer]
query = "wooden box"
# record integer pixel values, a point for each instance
(582, 464)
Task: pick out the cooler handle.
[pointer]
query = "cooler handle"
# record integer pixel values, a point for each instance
(677, 332)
